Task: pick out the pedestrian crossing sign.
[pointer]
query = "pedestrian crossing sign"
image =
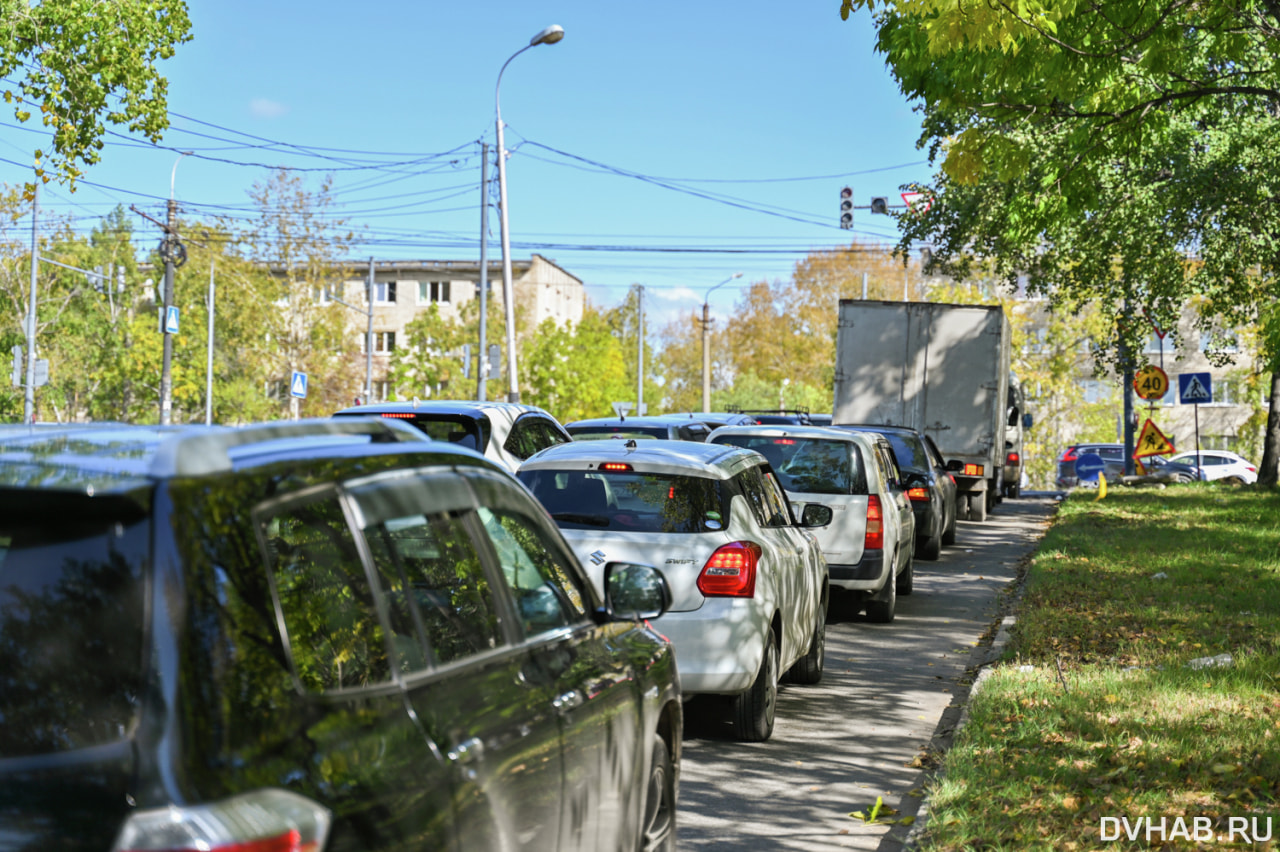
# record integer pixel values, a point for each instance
(1195, 388)
(298, 386)
(1151, 442)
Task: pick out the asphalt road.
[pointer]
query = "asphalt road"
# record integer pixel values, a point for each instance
(890, 696)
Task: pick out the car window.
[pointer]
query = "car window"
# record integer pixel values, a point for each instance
(587, 433)
(529, 434)
(546, 595)
(934, 453)
(435, 589)
(332, 628)
(72, 605)
(908, 452)
(888, 467)
(807, 465)
(766, 507)
(455, 430)
(694, 432)
(631, 501)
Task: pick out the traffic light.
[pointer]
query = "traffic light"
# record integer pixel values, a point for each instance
(880, 204)
(846, 207)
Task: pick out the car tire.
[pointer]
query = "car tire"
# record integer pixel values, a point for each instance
(754, 710)
(949, 532)
(1182, 478)
(658, 831)
(808, 669)
(930, 548)
(977, 501)
(962, 507)
(906, 581)
(1234, 480)
(882, 608)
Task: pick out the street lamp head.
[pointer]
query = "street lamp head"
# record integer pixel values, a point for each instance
(550, 35)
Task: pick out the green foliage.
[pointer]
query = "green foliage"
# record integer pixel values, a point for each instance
(576, 373)
(76, 63)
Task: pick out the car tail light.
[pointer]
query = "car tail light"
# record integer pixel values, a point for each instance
(1251, 468)
(1013, 459)
(973, 470)
(917, 495)
(731, 571)
(875, 525)
(616, 467)
(261, 821)
(785, 442)
(1069, 455)
(399, 415)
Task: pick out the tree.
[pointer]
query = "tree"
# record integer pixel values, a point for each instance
(1103, 148)
(576, 372)
(293, 239)
(78, 62)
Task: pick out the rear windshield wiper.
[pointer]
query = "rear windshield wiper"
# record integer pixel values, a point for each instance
(577, 518)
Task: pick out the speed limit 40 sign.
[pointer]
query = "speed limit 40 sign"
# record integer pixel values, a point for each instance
(1151, 382)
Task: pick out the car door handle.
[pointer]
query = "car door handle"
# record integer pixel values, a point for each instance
(568, 701)
(467, 751)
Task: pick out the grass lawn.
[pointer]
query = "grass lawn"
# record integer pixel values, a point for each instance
(1096, 725)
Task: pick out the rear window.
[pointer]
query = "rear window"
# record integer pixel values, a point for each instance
(588, 433)
(463, 431)
(630, 501)
(808, 465)
(909, 452)
(72, 610)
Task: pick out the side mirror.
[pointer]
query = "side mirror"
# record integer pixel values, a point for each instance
(815, 515)
(954, 465)
(1027, 420)
(633, 592)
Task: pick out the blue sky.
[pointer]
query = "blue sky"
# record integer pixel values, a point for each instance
(617, 134)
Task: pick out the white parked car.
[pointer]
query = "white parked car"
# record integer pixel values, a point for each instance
(749, 584)
(1220, 464)
(870, 543)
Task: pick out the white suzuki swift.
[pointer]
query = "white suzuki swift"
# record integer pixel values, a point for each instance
(749, 584)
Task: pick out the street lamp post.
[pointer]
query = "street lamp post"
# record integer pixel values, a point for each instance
(550, 35)
(706, 349)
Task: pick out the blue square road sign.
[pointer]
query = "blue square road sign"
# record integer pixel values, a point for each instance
(1195, 388)
(298, 385)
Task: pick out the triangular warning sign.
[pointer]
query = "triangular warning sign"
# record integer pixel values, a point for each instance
(917, 202)
(1151, 442)
(1195, 391)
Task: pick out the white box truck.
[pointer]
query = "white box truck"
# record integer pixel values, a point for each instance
(940, 369)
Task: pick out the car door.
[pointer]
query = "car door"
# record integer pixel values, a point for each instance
(786, 567)
(891, 476)
(347, 739)
(593, 685)
(470, 681)
(946, 483)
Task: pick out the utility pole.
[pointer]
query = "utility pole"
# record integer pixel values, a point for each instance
(208, 371)
(166, 369)
(368, 339)
(482, 361)
(29, 395)
(640, 351)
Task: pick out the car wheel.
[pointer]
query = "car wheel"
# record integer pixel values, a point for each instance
(977, 501)
(929, 548)
(906, 577)
(1233, 480)
(1183, 478)
(659, 830)
(808, 669)
(753, 710)
(882, 607)
(949, 533)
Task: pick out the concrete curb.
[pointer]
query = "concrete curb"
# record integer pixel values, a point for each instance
(981, 660)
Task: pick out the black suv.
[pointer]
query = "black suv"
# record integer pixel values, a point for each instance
(323, 636)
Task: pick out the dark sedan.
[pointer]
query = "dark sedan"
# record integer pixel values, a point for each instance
(931, 489)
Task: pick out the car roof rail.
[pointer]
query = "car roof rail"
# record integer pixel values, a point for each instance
(209, 451)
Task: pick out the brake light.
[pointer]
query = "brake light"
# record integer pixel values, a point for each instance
(973, 470)
(1069, 455)
(261, 821)
(786, 442)
(615, 466)
(875, 525)
(1013, 459)
(1251, 468)
(918, 495)
(400, 415)
(731, 571)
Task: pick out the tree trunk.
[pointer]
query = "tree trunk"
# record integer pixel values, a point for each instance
(1269, 470)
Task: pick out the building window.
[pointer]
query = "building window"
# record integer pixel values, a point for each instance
(381, 391)
(432, 291)
(1225, 343)
(321, 295)
(384, 342)
(1096, 391)
(384, 292)
(1219, 442)
(1157, 344)
(1036, 341)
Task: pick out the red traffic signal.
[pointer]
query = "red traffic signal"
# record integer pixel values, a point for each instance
(846, 207)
